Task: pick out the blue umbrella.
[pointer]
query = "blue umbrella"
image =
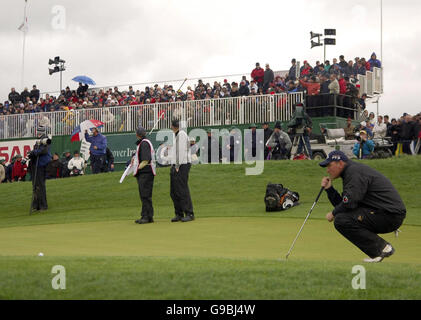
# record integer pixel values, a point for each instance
(84, 80)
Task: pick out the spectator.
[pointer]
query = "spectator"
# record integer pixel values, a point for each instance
(244, 89)
(97, 149)
(53, 170)
(254, 86)
(234, 90)
(374, 62)
(2, 171)
(407, 134)
(81, 90)
(24, 95)
(34, 95)
(64, 162)
(342, 63)
(395, 131)
(306, 69)
(324, 84)
(349, 130)
(380, 128)
(388, 126)
(312, 86)
(258, 75)
(333, 85)
(14, 97)
(267, 78)
(19, 169)
(292, 75)
(76, 165)
(365, 64)
(364, 147)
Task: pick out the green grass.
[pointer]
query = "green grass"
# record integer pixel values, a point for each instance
(234, 250)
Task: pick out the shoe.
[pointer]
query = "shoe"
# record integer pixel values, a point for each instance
(177, 218)
(387, 252)
(188, 218)
(144, 220)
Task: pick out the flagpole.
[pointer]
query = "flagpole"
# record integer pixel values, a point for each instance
(23, 46)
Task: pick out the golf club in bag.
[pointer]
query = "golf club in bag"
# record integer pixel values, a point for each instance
(301, 229)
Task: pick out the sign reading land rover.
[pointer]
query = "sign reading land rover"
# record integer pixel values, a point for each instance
(9, 149)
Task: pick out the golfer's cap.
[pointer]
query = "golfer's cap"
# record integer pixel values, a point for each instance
(334, 156)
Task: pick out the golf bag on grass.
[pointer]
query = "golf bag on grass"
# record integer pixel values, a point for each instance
(278, 198)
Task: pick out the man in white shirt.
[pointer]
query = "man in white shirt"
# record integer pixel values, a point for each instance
(380, 128)
(180, 159)
(77, 163)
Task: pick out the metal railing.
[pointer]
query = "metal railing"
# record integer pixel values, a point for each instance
(195, 113)
(372, 82)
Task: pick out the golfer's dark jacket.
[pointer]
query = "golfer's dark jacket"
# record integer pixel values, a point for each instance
(365, 187)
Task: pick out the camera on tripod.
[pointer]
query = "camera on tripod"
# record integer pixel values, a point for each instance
(297, 122)
(45, 140)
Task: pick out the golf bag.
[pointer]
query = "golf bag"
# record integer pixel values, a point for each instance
(278, 198)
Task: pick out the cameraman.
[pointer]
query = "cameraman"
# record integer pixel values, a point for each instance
(40, 157)
(301, 125)
(364, 147)
(76, 165)
(279, 144)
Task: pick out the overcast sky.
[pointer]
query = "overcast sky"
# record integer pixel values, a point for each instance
(129, 41)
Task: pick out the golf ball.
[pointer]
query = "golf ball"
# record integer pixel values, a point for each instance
(40, 254)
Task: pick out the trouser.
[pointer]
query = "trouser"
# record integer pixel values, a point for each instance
(145, 185)
(301, 146)
(361, 226)
(38, 188)
(180, 193)
(97, 162)
(406, 147)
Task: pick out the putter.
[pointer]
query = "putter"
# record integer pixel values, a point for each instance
(301, 229)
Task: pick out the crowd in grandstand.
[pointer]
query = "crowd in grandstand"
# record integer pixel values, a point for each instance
(338, 77)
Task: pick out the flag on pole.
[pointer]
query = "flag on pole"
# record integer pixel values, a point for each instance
(24, 26)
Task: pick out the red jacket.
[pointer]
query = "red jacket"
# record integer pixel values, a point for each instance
(313, 88)
(19, 169)
(258, 75)
(342, 86)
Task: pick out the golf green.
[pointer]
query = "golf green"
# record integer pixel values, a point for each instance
(233, 250)
(245, 238)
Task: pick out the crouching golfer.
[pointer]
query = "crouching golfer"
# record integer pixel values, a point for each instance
(369, 205)
(179, 174)
(144, 164)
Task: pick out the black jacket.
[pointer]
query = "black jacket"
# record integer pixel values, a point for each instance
(34, 94)
(14, 97)
(365, 187)
(407, 131)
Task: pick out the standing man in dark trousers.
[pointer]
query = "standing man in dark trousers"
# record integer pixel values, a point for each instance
(144, 164)
(40, 157)
(180, 168)
(369, 205)
(97, 149)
